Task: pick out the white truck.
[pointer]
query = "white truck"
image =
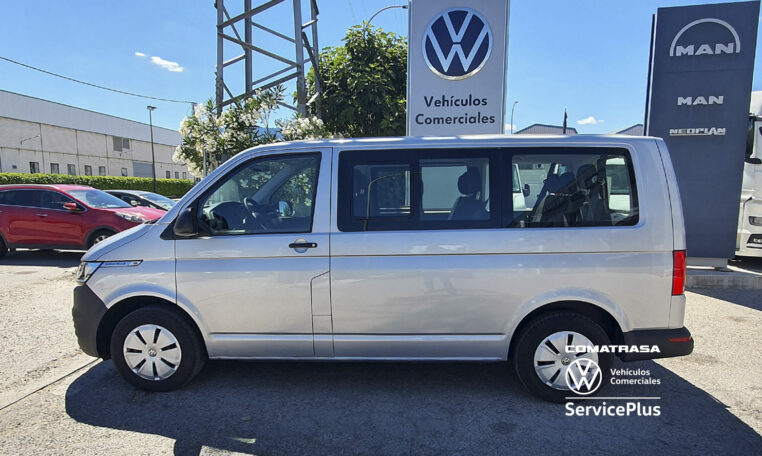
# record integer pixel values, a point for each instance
(749, 239)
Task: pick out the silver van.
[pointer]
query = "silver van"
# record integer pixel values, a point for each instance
(402, 249)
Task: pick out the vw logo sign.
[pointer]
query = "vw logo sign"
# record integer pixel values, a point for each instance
(457, 43)
(584, 376)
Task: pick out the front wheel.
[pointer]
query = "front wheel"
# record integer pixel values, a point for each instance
(554, 359)
(155, 349)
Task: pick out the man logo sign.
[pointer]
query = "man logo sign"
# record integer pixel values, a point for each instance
(733, 46)
(583, 376)
(457, 43)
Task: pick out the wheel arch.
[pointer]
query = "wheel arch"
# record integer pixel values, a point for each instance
(596, 313)
(93, 231)
(122, 308)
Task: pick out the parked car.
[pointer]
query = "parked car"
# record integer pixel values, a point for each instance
(63, 216)
(141, 198)
(401, 249)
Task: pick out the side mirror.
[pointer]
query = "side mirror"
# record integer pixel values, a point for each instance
(74, 207)
(285, 209)
(185, 223)
(525, 190)
(754, 161)
(134, 203)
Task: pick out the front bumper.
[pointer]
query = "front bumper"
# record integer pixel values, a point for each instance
(88, 311)
(671, 343)
(750, 244)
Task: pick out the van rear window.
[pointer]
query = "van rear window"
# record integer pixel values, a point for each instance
(589, 187)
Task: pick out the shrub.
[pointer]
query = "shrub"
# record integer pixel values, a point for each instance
(166, 187)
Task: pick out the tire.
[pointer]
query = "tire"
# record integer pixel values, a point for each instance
(3, 247)
(532, 353)
(99, 236)
(170, 368)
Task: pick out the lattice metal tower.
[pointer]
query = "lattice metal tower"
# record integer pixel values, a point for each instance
(228, 29)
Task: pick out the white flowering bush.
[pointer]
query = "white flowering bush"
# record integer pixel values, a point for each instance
(244, 124)
(299, 128)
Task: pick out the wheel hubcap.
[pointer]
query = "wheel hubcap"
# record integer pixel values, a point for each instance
(554, 355)
(152, 352)
(101, 238)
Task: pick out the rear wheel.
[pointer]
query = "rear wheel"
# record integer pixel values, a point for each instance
(99, 236)
(156, 349)
(550, 357)
(3, 247)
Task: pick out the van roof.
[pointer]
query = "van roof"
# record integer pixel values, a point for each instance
(471, 140)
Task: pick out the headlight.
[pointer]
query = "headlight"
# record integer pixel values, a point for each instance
(136, 218)
(86, 269)
(756, 221)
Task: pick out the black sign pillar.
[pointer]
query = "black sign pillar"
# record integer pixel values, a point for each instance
(700, 75)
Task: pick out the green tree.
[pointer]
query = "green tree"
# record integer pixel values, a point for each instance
(363, 84)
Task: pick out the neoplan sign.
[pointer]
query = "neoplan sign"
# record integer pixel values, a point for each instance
(456, 67)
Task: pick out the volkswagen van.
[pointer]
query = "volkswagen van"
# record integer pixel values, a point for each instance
(396, 249)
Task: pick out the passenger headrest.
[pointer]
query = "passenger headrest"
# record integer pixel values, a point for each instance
(470, 182)
(587, 176)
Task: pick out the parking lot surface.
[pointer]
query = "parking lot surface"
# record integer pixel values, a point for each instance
(56, 400)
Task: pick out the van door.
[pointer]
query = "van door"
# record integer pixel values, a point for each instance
(409, 274)
(261, 249)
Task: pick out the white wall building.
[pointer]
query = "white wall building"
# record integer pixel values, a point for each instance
(46, 137)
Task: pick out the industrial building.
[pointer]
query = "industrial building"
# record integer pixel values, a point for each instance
(40, 136)
(544, 129)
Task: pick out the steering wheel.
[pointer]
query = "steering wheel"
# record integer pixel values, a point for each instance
(253, 206)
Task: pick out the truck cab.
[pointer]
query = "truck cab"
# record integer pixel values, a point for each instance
(749, 238)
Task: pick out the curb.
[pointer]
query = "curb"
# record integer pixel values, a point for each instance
(723, 280)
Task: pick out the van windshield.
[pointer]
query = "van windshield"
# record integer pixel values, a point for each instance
(98, 199)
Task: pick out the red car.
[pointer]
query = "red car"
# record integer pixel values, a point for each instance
(63, 216)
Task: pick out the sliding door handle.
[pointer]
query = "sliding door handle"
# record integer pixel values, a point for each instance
(303, 245)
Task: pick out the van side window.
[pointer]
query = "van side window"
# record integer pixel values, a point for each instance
(381, 190)
(573, 187)
(416, 190)
(265, 195)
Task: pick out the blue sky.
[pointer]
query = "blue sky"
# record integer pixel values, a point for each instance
(588, 56)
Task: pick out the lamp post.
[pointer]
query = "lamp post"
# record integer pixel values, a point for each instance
(153, 156)
(384, 9)
(512, 108)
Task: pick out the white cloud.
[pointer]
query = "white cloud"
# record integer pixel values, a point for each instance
(166, 64)
(140, 54)
(589, 121)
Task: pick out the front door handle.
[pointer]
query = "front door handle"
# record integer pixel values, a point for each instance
(41, 215)
(303, 245)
